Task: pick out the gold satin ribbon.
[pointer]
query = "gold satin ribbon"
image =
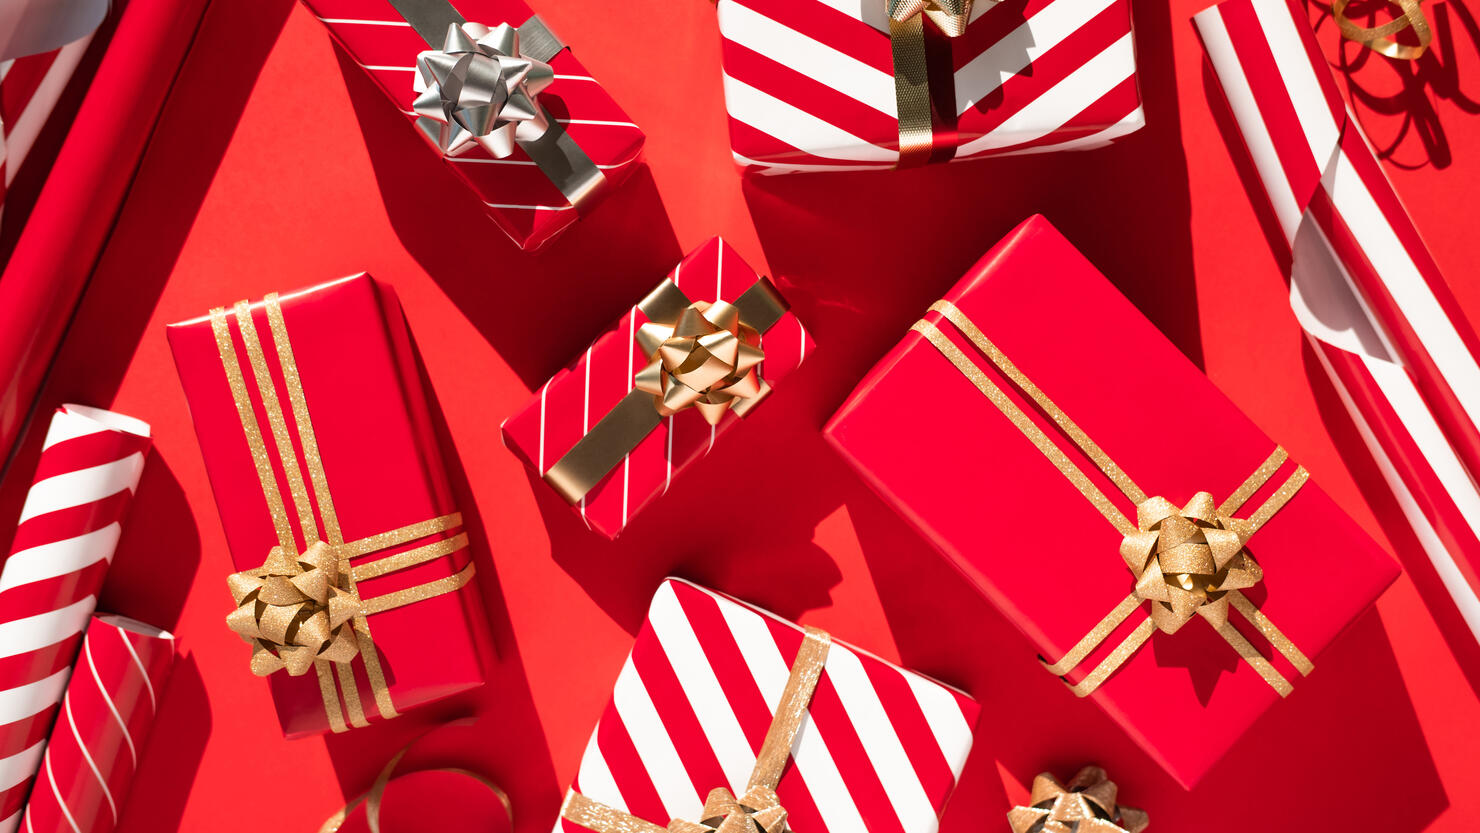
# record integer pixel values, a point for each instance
(1380, 38)
(634, 416)
(1218, 599)
(911, 70)
(1086, 805)
(346, 575)
(759, 810)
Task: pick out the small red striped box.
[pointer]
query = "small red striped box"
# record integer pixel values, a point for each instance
(515, 193)
(880, 749)
(809, 84)
(574, 400)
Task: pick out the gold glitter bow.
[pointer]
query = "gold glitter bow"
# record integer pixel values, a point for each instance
(705, 360)
(912, 72)
(294, 610)
(760, 811)
(1087, 805)
(1380, 39)
(1185, 561)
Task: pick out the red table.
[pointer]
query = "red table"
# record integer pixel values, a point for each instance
(277, 164)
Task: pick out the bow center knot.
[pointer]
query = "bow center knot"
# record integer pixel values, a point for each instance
(760, 811)
(707, 360)
(480, 89)
(950, 15)
(1187, 559)
(295, 609)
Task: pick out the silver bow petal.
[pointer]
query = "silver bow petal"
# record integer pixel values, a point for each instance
(479, 89)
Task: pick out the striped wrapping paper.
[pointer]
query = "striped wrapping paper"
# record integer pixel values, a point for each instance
(576, 398)
(809, 84)
(1364, 287)
(69, 525)
(517, 195)
(879, 751)
(100, 733)
(29, 90)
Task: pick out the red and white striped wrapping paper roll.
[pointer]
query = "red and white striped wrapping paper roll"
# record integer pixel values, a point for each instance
(880, 749)
(99, 736)
(809, 84)
(70, 523)
(29, 89)
(1364, 287)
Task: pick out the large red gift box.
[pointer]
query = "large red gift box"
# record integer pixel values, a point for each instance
(519, 197)
(314, 426)
(1037, 546)
(879, 748)
(574, 401)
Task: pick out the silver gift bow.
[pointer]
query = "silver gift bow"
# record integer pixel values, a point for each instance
(479, 89)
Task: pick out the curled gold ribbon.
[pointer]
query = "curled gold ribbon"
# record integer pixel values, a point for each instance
(1086, 805)
(759, 810)
(1188, 560)
(305, 610)
(1380, 38)
(911, 70)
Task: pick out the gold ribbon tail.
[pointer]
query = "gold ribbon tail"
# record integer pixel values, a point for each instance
(912, 91)
(1380, 38)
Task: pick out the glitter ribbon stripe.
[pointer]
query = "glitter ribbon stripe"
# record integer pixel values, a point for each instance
(1211, 612)
(326, 526)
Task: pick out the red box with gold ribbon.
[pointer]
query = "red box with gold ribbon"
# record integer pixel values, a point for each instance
(1162, 554)
(651, 394)
(501, 98)
(351, 554)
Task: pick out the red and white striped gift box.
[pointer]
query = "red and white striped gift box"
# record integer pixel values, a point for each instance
(809, 84)
(575, 399)
(69, 525)
(1364, 287)
(880, 749)
(517, 194)
(99, 736)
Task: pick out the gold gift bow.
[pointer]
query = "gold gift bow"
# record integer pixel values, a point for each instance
(758, 810)
(343, 551)
(615, 435)
(911, 71)
(1087, 805)
(1075, 476)
(1380, 38)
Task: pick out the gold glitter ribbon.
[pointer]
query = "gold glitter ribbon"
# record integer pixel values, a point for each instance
(912, 72)
(1185, 561)
(323, 626)
(1086, 805)
(758, 810)
(699, 355)
(1380, 38)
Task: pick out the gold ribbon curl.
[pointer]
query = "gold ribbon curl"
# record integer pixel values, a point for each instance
(759, 810)
(1086, 805)
(1380, 38)
(911, 70)
(1186, 561)
(305, 610)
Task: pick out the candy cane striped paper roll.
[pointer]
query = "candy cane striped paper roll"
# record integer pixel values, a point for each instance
(69, 526)
(1364, 287)
(100, 733)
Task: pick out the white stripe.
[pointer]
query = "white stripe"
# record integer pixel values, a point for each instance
(586, 421)
(108, 419)
(88, 759)
(773, 168)
(596, 777)
(139, 664)
(798, 128)
(943, 714)
(20, 766)
(480, 160)
(543, 389)
(565, 207)
(58, 558)
(21, 132)
(1007, 58)
(631, 382)
(31, 699)
(1286, 44)
(655, 749)
(61, 804)
(809, 57)
(365, 22)
(1132, 122)
(128, 738)
(75, 488)
(66, 425)
(598, 123)
(33, 633)
(385, 68)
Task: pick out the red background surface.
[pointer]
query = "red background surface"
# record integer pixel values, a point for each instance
(277, 164)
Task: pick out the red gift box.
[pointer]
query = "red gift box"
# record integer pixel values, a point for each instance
(573, 402)
(1014, 523)
(518, 195)
(304, 445)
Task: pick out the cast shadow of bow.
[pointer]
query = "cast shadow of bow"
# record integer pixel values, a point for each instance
(168, 763)
(536, 310)
(1015, 49)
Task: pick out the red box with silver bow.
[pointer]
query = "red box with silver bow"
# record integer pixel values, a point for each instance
(604, 443)
(355, 586)
(534, 191)
(701, 707)
(1106, 498)
(826, 85)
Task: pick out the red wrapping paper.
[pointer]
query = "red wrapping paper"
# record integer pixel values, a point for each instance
(517, 194)
(383, 471)
(576, 398)
(1031, 543)
(104, 723)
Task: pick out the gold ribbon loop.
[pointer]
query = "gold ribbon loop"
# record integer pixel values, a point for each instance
(1380, 38)
(1086, 805)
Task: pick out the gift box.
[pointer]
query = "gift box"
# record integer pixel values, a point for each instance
(351, 555)
(870, 84)
(724, 709)
(1105, 495)
(534, 188)
(610, 442)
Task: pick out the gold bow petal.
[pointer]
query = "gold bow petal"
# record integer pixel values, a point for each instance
(295, 609)
(1087, 805)
(705, 359)
(1187, 559)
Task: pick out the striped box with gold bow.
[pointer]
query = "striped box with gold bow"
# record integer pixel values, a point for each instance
(354, 578)
(728, 718)
(829, 85)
